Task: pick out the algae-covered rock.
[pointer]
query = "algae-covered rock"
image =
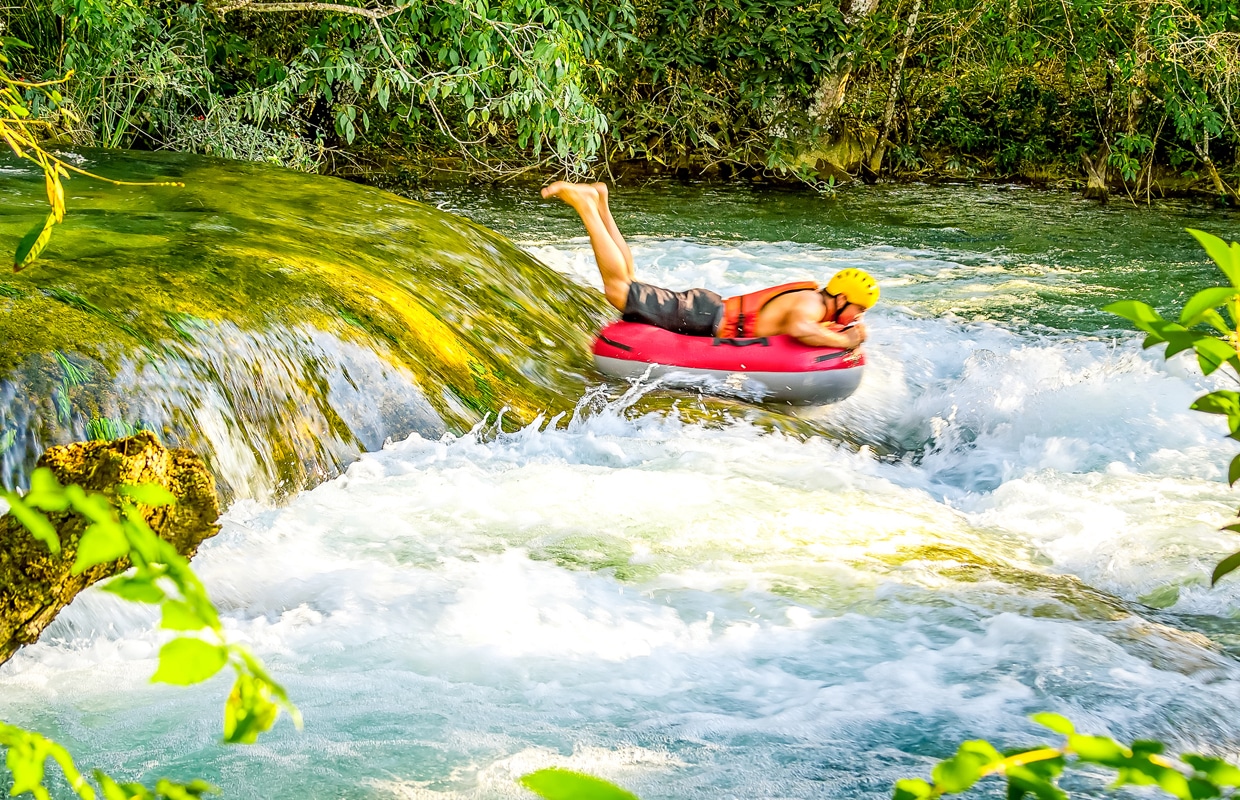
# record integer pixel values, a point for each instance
(275, 322)
(36, 584)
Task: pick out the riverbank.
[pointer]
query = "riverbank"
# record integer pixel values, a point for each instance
(410, 173)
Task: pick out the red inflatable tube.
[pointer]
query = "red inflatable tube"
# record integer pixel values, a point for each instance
(767, 367)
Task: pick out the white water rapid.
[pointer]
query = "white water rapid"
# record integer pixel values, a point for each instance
(701, 612)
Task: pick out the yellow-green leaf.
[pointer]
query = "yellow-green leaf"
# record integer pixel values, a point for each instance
(563, 784)
(179, 616)
(250, 710)
(32, 243)
(102, 542)
(186, 660)
(151, 494)
(1056, 722)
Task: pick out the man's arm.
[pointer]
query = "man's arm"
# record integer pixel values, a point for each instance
(817, 334)
(803, 325)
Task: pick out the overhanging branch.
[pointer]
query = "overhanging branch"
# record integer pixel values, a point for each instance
(376, 14)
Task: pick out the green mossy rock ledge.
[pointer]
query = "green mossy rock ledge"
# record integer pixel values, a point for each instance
(274, 322)
(36, 584)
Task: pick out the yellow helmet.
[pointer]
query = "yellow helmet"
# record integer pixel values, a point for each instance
(856, 285)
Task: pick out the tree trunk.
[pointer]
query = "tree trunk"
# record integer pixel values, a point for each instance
(875, 164)
(829, 97)
(1096, 187)
(35, 584)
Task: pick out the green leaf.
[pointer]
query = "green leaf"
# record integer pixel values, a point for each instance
(962, 770)
(250, 710)
(563, 784)
(1023, 780)
(913, 789)
(46, 492)
(186, 660)
(1056, 722)
(32, 243)
(1098, 750)
(136, 588)
(179, 616)
(1211, 353)
(1225, 567)
(1233, 471)
(1227, 258)
(111, 790)
(1136, 312)
(1203, 301)
(33, 521)
(1220, 402)
(1215, 770)
(102, 542)
(150, 494)
(1175, 784)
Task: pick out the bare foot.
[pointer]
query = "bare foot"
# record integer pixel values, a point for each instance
(601, 188)
(578, 195)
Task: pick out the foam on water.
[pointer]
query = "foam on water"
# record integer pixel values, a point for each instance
(715, 612)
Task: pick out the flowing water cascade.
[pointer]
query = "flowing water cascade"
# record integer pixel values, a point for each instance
(1016, 512)
(277, 323)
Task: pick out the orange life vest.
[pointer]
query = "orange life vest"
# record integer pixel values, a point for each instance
(740, 313)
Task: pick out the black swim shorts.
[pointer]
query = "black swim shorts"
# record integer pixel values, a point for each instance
(696, 312)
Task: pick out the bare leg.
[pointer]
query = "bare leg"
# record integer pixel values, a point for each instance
(604, 211)
(607, 254)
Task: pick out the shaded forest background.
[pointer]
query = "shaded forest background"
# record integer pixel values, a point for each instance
(1114, 95)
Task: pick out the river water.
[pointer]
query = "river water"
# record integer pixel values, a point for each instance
(1016, 512)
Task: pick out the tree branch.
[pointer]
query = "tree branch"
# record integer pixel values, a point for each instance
(374, 14)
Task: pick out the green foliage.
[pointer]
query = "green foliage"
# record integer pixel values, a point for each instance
(720, 81)
(226, 79)
(563, 784)
(1036, 771)
(987, 85)
(1218, 346)
(159, 576)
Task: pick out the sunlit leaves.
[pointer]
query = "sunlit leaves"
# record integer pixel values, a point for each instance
(186, 661)
(180, 616)
(1035, 773)
(1227, 258)
(913, 789)
(1036, 778)
(1056, 722)
(33, 521)
(135, 589)
(102, 542)
(32, 244)
(251, 710)
(563, 784)
(18, 125)
(150, 494)
(964, 769)
(1212, 352)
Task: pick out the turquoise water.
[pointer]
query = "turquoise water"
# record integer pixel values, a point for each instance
(714, 611)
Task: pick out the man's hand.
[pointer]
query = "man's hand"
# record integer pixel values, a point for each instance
(859, 334)
(817, 334)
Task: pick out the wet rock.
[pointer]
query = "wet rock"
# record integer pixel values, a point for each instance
(35, 584)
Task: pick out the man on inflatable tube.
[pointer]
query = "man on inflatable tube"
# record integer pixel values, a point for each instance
(826, 318)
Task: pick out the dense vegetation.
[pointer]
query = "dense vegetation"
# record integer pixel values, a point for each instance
(1121, 91)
